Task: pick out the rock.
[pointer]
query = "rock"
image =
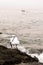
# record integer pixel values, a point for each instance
(1, 33)
(14, 56)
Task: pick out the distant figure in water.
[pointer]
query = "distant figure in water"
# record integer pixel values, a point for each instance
(14, 41)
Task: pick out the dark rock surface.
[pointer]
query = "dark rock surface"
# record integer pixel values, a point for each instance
(14, 56)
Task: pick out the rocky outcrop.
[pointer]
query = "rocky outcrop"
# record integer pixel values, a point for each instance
(14, 56)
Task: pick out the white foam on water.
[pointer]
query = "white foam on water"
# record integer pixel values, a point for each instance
(21, 48)
(39, 56)
(33, 55)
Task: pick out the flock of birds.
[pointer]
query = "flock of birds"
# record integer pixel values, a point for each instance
(16, 43)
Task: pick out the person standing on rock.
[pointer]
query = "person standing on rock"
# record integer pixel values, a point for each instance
(14, 41)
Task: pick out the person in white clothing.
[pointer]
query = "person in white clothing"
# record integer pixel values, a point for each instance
(14, 41)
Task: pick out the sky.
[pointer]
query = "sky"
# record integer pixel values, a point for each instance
(6, 4)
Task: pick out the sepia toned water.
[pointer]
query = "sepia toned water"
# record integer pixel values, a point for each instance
(26, 24)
